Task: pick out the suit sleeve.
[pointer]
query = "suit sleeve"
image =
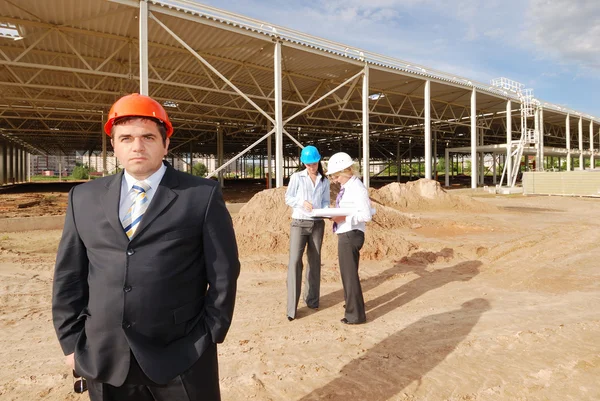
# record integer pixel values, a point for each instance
(222, 266)
(70, 285)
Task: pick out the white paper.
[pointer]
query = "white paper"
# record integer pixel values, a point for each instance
(330, 212)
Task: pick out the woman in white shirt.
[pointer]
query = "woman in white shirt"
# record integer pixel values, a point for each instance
(350, 230)
(306, 190)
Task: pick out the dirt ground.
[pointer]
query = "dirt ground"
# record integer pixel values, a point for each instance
(494, 301)
(50, 198)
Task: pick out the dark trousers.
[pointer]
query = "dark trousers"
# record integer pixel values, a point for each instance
(198, 383)
(349, 246)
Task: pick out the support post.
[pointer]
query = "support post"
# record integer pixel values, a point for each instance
(410, 159)
(143, 47)
(220, 159)
(473, 138)
(278, 117)
(541, 167)
(536, 127)
(398, 161)
(365, 127)
(481, 159)
(434, 173)
(103, 136)
(568, 139)
(580, 129)
(427, 123)
(508, 159)
(269, 158)
(592, 161)
(3, 162)
(447, 163)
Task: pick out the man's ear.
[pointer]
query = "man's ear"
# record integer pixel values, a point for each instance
(167, 141)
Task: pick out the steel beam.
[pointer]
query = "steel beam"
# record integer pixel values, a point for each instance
(474, 138)
(365, 127)
(427, 122)
(278, 122)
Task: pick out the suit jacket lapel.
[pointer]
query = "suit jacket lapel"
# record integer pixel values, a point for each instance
(162, 198)
(110, 203)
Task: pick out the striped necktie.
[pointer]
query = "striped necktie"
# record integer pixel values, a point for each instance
(137, 209)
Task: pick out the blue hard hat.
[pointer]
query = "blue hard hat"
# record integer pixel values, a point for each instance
(310, 155)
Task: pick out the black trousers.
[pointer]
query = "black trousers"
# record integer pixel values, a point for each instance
(198, 383)
(349, 246)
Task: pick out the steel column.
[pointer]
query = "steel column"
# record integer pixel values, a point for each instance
(269, 158)
(365, 127)
(508, 159)
(592, 161)
(427, 123)
(220, 158)
(481, 159)
(278, 117)
(104, 139)
(494, 173)
(398, 161)
(3, 164)
(473, 138)
(541, 118)
(568, 138)
(447, 167)
(580, 129)
(143, 47)
(434, 173)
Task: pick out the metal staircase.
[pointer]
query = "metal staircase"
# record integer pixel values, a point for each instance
(529, 136)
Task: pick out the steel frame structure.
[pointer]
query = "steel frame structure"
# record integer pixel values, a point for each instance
(230, 83)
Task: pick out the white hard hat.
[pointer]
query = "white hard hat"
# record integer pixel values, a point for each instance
(339, 162)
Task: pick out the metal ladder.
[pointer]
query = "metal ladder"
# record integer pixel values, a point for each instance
(528, 136)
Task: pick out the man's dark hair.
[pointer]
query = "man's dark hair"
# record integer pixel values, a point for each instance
(162, 129)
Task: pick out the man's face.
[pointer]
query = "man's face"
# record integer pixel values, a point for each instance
(139, 147)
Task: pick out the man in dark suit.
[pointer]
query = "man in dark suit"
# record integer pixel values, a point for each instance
(146, 270)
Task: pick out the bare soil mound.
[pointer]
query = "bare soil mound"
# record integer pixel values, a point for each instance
(263, 225)
(425, 195)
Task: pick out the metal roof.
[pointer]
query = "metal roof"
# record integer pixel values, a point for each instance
(76, 57)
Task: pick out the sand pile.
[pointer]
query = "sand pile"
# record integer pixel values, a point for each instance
(425, 195)
(263, 225)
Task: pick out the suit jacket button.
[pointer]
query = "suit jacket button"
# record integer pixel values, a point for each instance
(127, 288)
(130, 252)
(126, 325)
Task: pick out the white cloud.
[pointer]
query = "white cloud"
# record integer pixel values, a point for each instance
(567, 31)
(541, 43)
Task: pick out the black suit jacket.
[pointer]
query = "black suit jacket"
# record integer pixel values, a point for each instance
(165, 295)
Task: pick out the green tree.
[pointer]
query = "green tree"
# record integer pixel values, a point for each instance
(81, 172)
(199, 169)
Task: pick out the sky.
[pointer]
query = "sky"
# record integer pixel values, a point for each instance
(550, 46)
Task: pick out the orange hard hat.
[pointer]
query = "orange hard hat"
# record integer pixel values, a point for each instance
(137, 105)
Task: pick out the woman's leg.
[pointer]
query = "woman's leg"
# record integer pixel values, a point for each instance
(313, 272)
(298, 241)
(349, 246)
